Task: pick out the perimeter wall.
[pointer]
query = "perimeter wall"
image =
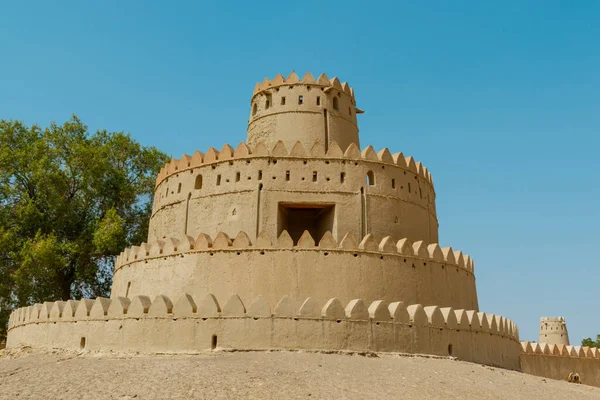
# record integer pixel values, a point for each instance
(557, 361)
(199, 323)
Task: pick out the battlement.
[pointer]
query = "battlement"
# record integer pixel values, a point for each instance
(558, 361)
(279, 150)
(242, 242)
(307, 79)
(552, 319)
(194, 323)
(560, 350)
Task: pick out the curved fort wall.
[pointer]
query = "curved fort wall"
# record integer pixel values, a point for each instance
(557, 361)
(310, 110)
(243, 190)
(194, 324)
(386, 270)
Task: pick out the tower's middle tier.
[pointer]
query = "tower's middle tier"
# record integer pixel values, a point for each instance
(295, 189)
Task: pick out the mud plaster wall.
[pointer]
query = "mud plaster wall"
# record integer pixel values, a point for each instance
(558, 361)
(243, 195)
(553, 330)
(196, 324)
(305, 113)
(300, 273)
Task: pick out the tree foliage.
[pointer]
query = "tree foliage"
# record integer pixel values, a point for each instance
(591, 343)
(70, 201)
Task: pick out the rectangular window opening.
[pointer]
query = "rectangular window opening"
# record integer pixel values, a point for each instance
(218, 179)
(260, 174)
(287, 175)
(283, 101)
(314, 176)
(408, 187)
(393, 184)
(179, 188)
(237, 176)
(268, 102)
(300, 99)
(342, 177)
(318, 100)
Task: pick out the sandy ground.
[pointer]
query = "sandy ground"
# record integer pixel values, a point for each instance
(25, 374)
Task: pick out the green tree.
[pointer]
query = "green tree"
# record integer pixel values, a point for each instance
(591, 343)
(70, 201)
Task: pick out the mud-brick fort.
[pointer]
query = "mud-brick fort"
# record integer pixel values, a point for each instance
(296, 239)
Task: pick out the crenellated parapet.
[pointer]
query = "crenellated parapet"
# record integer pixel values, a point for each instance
(557, 361)
(192, 323)
(242, 242)
(352, 153)
(307, 79)
(560, 350)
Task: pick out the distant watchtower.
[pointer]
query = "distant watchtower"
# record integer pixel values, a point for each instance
(310, 110)
(553, 331)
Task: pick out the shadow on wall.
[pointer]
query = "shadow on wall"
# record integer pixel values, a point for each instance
(297, 218)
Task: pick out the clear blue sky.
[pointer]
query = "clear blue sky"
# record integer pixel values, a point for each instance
(502, 103)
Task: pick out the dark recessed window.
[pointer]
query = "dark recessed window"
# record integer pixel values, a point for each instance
(370, 178)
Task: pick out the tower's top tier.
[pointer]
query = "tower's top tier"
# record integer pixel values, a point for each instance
(308, 110)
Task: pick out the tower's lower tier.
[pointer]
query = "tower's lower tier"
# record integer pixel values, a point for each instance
(413, 273)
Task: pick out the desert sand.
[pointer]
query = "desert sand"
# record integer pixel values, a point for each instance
(29, 374)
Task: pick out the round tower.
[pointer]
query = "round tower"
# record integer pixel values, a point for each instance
(553, 330)
(310, 110)
(296, 240)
